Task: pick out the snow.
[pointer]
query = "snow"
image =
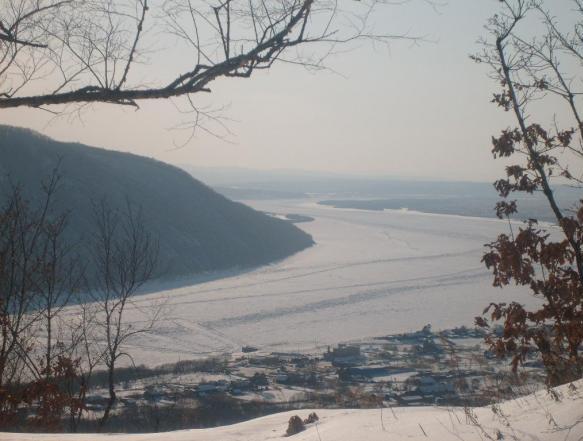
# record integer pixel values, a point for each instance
(536, 417)
(276, 395)
(370, 274)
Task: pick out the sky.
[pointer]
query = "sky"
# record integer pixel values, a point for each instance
(410, 110)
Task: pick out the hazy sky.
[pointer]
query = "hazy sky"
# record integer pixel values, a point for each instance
(415, 111)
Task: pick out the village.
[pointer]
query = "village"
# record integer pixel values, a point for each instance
(422, 368)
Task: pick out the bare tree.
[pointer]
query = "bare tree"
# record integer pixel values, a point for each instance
(60, 279)
(125, 256)
(85, 347)
(58, 52)
(536, 73)
(22, 263)
(53, 335)
(36, 283)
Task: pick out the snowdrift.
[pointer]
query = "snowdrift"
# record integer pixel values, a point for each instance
(549, 416)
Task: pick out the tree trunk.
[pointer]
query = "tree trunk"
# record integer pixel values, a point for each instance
(112, 397)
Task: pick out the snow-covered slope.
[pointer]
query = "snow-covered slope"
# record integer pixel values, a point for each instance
(541, 416)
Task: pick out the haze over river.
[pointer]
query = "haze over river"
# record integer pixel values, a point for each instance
(371, 273)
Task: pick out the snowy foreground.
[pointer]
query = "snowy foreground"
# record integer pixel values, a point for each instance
(539, 416)
(370, 274)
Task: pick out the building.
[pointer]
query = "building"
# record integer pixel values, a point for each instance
(343, 355)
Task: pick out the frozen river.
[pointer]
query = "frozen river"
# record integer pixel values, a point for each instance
(370, 274)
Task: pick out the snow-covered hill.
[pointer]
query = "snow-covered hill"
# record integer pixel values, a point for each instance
(541, 416)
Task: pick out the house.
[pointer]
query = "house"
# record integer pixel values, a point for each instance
(343, 355)
(411, 400)
(238, 387)
(369, 371)
(281, 377)
(204, 389)
(430, 386)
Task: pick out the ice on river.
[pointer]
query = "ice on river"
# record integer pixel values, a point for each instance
(370, 274)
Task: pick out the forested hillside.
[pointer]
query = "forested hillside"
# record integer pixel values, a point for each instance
(198, 229)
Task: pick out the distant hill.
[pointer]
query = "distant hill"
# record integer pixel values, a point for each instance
(378, 193)
(198, 229)
(253, 194)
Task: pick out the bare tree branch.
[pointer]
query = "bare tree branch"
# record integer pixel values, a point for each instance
(89, 51)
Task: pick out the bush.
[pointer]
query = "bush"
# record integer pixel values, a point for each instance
(295, 425)
(312, 418)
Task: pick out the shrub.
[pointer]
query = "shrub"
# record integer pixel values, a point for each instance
(295, 425)
(312, 418)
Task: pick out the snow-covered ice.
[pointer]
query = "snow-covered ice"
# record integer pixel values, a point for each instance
(370, 274)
